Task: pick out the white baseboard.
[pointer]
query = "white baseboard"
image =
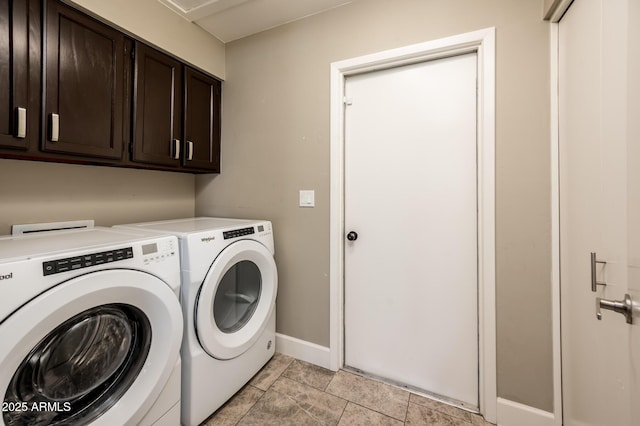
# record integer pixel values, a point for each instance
(515, 414)
(303, 350)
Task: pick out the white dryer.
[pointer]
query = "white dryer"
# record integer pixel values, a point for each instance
(229, 288)
(91, 327)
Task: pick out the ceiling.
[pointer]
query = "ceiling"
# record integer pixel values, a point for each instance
(230, 20)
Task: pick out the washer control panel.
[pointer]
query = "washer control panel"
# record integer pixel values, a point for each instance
(152, 252)
(158, 251)
(238, 233)
(86, 260)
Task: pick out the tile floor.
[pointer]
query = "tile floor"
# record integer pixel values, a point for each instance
(288, 391)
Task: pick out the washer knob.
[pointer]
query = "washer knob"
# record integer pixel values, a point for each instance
(352, 236)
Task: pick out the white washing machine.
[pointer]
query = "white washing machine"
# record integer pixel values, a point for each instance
(229, 288)
(91, 327)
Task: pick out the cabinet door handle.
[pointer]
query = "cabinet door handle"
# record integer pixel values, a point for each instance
(176, 149)
(22, 123)
(190, 152)
(54, 123)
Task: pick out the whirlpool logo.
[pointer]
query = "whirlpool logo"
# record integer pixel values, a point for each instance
(6, 277)
(207, 239)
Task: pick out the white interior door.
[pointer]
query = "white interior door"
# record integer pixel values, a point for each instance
(599, 210)
(411, 276)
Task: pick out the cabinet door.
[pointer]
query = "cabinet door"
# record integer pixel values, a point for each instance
(201, 121)
(157, 108)
(18, 113)
(84, 88)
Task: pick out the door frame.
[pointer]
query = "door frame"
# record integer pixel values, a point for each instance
(555, 224)
(555, 14)
(482, 42)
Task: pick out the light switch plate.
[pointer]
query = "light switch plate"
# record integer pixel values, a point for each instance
(307, 198)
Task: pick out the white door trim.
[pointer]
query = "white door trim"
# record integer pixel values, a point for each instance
(483, 43)
(555, 225)
(554, 46)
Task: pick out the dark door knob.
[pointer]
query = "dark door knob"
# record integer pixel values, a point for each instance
(352, 236)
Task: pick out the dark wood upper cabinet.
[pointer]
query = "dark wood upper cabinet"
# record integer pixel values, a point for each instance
(74, 89)
(85, 85)
(19, 73)
(201, 121)
(157, 123)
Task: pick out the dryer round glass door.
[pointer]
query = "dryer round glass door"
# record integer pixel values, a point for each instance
(98, 349)
(236, 299)
(237, 296)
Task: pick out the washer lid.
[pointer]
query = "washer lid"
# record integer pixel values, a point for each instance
(98, 348)
(236, 299)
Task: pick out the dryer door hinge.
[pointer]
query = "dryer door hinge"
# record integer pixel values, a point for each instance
(347, 101)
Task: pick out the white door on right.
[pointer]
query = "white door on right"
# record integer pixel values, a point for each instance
(599, 169)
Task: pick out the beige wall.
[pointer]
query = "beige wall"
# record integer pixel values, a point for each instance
(276, 142)
(33, 192)
(158, 25)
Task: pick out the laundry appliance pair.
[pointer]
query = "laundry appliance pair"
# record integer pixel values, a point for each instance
(144, 324)
(229, 288)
